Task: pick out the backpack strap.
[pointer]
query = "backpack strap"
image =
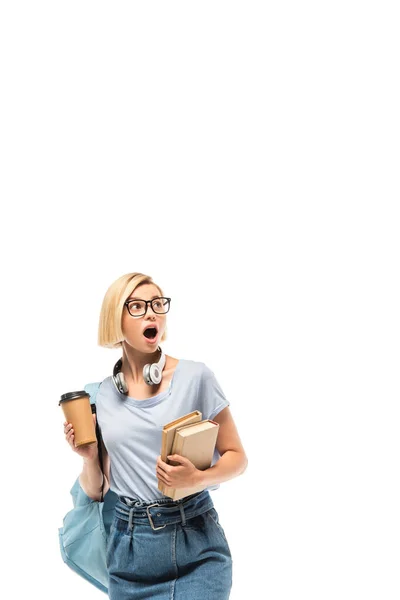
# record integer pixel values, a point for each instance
(92, 389)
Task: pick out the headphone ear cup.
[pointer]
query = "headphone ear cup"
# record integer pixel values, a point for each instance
(121, 383)
(147, 375)
(155, 373)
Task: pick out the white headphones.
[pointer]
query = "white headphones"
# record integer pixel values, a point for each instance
(152, 373)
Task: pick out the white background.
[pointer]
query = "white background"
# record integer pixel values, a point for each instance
(246, 156)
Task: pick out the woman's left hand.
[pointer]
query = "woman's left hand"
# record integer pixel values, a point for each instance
(183, 475)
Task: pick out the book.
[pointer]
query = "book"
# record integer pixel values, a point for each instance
(195, 441)
(168, 433)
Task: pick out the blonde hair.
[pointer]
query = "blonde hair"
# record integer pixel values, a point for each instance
(110, 322)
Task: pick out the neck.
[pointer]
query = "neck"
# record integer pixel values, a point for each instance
(133, 362)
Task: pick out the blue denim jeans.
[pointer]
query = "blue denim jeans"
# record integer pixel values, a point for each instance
(168, 550)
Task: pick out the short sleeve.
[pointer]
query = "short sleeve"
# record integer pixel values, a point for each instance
(211, 398)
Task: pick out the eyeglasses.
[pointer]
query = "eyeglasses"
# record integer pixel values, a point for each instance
(138, 308)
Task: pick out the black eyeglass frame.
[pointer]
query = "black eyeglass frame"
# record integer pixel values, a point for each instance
(127, 302)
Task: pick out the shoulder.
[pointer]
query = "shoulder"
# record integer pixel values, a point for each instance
(205, 371)
(198, 369)
(195, 370)
(92, 388)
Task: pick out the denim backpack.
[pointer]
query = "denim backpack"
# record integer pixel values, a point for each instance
(83, 537)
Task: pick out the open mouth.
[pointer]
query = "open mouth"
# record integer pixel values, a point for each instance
(150, 333)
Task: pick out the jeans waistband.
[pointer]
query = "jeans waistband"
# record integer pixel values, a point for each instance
(163, 511)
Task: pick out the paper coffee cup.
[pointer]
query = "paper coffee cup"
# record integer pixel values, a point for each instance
(78, 411)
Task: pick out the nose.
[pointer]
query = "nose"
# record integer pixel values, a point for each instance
(148, 308)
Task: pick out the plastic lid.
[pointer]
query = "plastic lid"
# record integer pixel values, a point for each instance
(73, 396)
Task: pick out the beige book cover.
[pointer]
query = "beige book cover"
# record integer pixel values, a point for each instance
(197, 443)
(168, 433)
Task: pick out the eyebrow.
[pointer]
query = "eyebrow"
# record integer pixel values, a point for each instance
(152, 298)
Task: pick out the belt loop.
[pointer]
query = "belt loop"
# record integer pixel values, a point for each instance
(130, 526)
(182, 514)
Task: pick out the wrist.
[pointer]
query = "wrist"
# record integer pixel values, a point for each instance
(200, 477)
(91, 461)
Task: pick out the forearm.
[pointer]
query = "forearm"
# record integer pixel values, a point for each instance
(230, 465)
(91, 478)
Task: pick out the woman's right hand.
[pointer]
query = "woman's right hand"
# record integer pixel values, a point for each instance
(88, 451)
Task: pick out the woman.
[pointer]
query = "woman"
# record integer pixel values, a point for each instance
(157, 548)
